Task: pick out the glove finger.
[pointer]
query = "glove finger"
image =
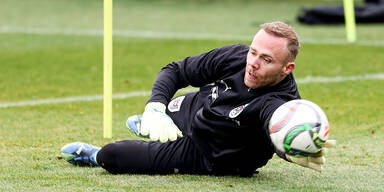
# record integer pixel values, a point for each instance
(144, 130)
(172, 135)
(174, 131)
(163, 132)
(153, 137)
(315, 166)
(177, 130)
(303, 161)
(179, 133)
(145, 124)
(317, 160)
(321, 153)
(154, 133)
(330, 143)
(163, 136)
(318, 154)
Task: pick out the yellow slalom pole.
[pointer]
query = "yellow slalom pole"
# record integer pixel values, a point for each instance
(350, 23)
(107, 69)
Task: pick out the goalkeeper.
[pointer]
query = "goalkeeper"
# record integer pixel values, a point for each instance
(222, 129)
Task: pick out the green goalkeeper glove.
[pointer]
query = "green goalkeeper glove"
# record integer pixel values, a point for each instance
(157, 124)
(315, 161)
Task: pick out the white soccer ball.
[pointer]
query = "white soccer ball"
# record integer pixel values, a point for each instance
(299, 127)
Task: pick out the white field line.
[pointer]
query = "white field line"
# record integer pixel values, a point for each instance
(309, 79)
(165, 35)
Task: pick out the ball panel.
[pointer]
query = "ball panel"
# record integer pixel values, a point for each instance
(287, 112)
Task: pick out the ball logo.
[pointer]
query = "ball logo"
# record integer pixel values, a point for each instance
(326, 131)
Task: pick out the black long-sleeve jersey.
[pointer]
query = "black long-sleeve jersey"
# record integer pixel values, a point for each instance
(229, 121)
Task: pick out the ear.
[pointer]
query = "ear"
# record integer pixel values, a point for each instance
(288, 68)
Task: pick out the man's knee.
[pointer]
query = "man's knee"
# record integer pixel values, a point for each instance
(106, 158)
(125, 157)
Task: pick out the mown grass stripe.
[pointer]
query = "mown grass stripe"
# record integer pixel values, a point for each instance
(309, 79)
(166, 35)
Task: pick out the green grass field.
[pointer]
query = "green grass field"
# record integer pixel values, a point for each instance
(36, 66)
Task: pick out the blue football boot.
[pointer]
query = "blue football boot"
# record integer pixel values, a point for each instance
(134, 124)
(81, 154)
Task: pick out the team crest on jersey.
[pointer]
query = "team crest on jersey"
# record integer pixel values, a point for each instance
(236, 111)
(175, 104)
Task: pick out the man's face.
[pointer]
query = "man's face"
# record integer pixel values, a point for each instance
(266, 61)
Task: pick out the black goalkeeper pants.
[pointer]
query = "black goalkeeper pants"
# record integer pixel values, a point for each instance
(133, 156)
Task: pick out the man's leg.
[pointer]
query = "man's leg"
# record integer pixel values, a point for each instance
(128, 156)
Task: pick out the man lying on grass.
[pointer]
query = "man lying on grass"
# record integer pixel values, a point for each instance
(222, 129)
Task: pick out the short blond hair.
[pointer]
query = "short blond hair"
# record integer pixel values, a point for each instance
(283, 30)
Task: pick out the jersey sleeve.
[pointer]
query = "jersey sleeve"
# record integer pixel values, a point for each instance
(195, 71)
(270, 104)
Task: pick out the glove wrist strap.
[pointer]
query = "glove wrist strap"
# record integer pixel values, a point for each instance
(157, 106)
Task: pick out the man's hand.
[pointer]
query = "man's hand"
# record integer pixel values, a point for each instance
(157, 124)
(315, 161)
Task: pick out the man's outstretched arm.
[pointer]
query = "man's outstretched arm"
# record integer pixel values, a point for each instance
(196, 71)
